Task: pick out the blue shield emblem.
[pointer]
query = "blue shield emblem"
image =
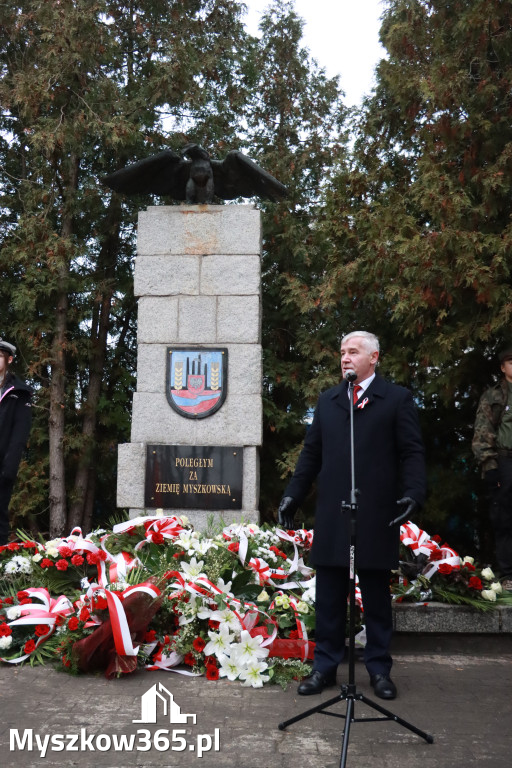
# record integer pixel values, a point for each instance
(196, 380)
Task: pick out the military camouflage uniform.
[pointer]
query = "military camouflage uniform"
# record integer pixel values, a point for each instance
(488, 416)
(496, 465)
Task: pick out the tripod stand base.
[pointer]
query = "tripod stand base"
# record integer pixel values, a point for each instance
(350, 695)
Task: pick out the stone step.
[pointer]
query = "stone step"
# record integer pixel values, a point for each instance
(441, 628)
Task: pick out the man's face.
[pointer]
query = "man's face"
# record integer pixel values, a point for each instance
(506, 367)
(4, 361)
(355, 357)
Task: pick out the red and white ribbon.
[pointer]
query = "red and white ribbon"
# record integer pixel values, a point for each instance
(45, 612)
(120, 628)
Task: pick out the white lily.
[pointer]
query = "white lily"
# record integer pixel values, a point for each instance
(230, 666)
(225, 587)
(250, 647)
(186, 539)
(227, 617)
(252, 675)
(193, 570)
(220, 642)
(202, 547)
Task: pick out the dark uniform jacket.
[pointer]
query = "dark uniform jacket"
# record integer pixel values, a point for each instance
(15, 423)
(389, 464)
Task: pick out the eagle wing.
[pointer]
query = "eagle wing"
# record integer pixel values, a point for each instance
(163, 174)
(239, 176)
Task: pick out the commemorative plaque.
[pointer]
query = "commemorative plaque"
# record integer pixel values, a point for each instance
(194, 477)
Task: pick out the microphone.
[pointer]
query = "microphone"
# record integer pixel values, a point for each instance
(350, 375)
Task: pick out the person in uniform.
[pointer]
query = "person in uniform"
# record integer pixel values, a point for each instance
(492, 447)
(15, 423)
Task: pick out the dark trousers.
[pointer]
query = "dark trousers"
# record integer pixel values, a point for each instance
(332, 588)
(500, 514)
(6, 487)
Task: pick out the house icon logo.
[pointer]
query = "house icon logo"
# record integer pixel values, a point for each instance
(158, 696)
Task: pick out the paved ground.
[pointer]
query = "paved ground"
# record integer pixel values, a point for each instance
(465, 702)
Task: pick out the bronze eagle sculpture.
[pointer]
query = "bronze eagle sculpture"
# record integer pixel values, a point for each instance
(194, 177)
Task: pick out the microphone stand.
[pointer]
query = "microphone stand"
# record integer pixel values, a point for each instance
(349, 692)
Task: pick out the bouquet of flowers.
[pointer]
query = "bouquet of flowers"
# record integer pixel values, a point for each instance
(153, 593)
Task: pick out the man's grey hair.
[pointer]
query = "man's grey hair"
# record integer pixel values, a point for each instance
(371, 342)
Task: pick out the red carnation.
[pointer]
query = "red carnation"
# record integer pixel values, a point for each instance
(157, 538)
(73, 624)
(8, 600)
(85, 614)
(234, 546)
(24, 601)
(77, 560)
(29, 646)
(30, 545)
(100, 603)
(92, 558)
(13, 546)
(62, 565)
(150, 636)
(46, 563)
(5, 630)
(475, 583)
(65, 551)
(102, 555)
(42, 629)
(199, 644)
(22, 595)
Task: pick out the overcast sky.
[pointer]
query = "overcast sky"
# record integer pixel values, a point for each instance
(342, 35)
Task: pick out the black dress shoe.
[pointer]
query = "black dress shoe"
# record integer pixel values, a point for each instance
(383, 686)
(315, 683)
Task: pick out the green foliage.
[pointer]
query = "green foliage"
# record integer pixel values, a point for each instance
(87, 86)
(296, 132)
(419, 231)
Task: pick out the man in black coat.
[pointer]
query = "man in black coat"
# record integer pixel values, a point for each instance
(15, 423)
(389, 471)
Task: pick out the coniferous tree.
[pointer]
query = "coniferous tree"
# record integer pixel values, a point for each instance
(295, 129)
(85, 87)
(422, 249)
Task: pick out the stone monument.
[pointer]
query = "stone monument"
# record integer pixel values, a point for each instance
(197, 409)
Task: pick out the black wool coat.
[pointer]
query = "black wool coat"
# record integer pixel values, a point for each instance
(15, 423)
(389, 464)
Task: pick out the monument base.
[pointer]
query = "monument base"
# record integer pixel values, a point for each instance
(203, 520)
